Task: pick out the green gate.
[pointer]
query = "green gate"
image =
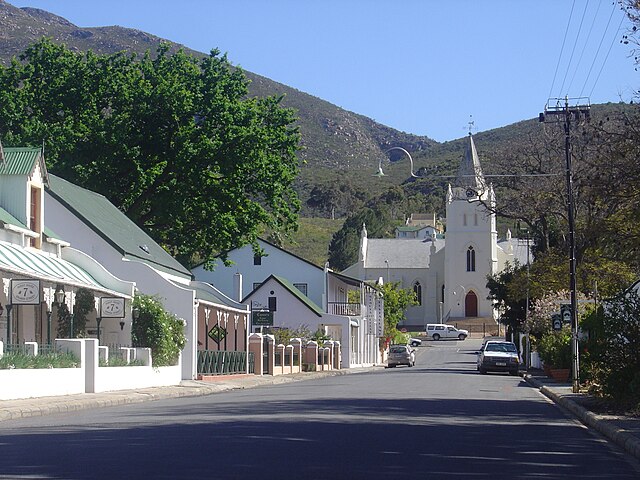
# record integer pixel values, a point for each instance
(220, 362)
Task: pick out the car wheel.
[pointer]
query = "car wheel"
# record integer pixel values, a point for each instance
(482, 371)
(392, 366)
(513, 372)
(462, 336)
(414, 344)
(436, 337)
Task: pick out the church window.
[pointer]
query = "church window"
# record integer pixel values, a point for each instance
(464, 219)
(471, 260)
(475, 219)
(417, 291)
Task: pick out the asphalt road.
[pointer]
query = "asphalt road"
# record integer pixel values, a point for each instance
(439, 419)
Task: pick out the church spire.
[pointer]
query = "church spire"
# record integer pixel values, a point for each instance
(469, 172)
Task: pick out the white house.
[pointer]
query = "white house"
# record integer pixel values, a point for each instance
(106, 234)
(447, 272)
(351, 310)
(35, 263)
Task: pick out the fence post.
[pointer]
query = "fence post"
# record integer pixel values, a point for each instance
(1, 349)
(329, 349)
(296, 344)
(311, 355)
(337, 355)
(255, 347)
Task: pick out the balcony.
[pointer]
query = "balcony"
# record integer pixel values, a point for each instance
(342, 308)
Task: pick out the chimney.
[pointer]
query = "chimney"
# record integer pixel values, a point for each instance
(237, 286)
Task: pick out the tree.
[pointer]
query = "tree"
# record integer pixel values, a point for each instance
(173, 141)
(83, 305)
(396, 301)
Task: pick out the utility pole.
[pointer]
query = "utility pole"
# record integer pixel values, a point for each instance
(555, 114)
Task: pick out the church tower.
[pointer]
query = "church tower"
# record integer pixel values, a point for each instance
(471, 241)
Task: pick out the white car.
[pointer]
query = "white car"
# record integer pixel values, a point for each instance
(415, 342)
(498, 356)
(439, 331)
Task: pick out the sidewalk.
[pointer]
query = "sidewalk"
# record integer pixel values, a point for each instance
(32, 407)
(622, 430)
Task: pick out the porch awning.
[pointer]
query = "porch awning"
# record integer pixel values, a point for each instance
(45, 267)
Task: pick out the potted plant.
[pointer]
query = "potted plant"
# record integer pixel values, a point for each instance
(555, 351)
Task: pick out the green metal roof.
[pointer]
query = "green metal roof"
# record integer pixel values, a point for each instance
(6, 217)
(20, 160)
(298, 294)
(114, 226)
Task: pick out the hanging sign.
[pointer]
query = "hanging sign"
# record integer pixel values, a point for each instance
(111, 307)
(25, 292)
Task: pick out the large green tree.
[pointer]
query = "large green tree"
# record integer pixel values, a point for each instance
(174, 141)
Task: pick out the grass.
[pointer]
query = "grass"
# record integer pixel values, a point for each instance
(11, 361)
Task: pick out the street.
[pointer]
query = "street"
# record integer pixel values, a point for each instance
(439, 419)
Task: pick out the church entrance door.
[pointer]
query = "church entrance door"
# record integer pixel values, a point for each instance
(471, 305)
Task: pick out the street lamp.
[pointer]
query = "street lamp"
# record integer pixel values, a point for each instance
(380, 173)
(387, 263)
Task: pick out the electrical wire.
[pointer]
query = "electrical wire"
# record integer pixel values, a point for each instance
(607, 56)
(575, 44)
(604, 34)
(584, 47)
(564, 40)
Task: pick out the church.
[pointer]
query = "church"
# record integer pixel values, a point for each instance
(447, 272)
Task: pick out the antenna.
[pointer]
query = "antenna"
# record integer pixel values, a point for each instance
(471, 125)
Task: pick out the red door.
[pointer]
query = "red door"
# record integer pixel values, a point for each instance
(471, 305)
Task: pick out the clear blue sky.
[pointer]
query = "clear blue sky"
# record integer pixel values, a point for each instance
(420, 66)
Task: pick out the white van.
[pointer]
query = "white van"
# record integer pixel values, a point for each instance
(439, 331)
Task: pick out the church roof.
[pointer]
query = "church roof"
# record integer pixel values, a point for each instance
(519, 249)
(469, 171)
(399, 253)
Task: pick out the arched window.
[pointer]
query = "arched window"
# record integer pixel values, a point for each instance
(417, 290)
(471, 260)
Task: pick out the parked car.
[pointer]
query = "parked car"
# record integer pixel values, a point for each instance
(415, 342)
(498, 356)
(438, 331)
(401, 355)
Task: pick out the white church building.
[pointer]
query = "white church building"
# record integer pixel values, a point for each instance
(448, 272)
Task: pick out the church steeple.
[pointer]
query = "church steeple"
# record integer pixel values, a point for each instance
(469, 172)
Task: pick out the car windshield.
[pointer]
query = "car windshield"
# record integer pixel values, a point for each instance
(501, 347)
(398, 350)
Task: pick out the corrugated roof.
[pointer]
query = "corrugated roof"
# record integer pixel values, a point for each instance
(399, 252)
(113, 226)
(294, 291)
(19, 160)
(32, 263)
(6, 217)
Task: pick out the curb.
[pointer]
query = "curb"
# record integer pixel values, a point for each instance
(625, 440)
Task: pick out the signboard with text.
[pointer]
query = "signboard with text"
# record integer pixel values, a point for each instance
(25, 292)
(262, 318)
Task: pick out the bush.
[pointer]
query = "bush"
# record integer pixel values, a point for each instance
(158, 330)
(48, 360)
(555, 348)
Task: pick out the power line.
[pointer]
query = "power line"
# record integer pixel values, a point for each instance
(575, 44)
(584, 47)
(606, 57)
(604, 34)
(564, 40)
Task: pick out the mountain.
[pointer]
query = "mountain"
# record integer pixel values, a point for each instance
(332, 138)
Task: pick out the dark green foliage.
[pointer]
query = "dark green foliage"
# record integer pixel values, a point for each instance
(343, 249)
(157, 329)
(555, 348)
(613, 350)
(396, 301)
(173, 141)
(84, 304)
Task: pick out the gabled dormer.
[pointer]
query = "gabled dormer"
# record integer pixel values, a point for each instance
(23, 176)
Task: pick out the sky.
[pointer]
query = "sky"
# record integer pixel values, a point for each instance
(425, 67)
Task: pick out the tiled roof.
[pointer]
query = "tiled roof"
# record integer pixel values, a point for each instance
(113, 226)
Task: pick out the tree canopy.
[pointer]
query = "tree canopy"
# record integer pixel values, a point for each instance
(172, 140)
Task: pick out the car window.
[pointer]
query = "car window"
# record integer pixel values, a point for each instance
(439, 328)
(451, 329)
(501, 347)
(398, 349)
